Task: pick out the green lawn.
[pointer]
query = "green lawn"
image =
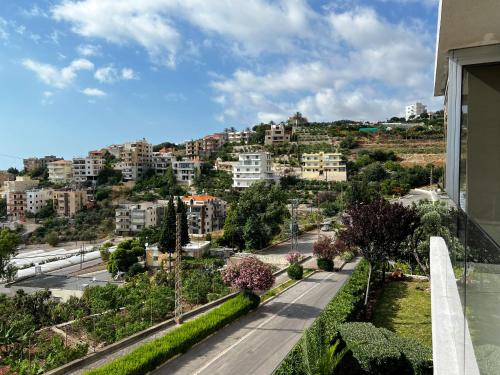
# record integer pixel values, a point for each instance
(404, 307)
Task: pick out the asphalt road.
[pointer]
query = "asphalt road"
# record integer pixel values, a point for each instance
(257, 343)
(305, 244)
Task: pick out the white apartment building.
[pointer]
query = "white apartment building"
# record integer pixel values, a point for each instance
(277, 134)
(135, 158)
(252, 167)
(36, 199)
(415, 110)
(184, 170)
(161, 161)
(60, 171)
(88, 168)
(132, 218)
(239, 137)
(206, 213)
(324, 166)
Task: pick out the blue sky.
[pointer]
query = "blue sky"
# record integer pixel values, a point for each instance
(76, 75)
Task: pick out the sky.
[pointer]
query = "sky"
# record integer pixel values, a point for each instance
(77, 75)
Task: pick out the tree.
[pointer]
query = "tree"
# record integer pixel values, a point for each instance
(13, 171)
(52, 239)
(125, 256)
(182, 209)
(166, 244)
(251, 274)
(378, 230)
(9, 241)
(3, 208)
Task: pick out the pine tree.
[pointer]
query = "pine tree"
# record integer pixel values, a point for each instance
(182, 209)
(166, 244)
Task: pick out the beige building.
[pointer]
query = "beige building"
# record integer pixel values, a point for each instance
(240, 137)
(69, 202)
(155, 259)
(16, 206)
(21, 183)
(135, 158)
(32, 164)
(162, 161)
(60, 171)
(324, 166)
(277, 134)
(88, 168)
(132, 218)
(206, 146)
(206, 213)
(226, 166)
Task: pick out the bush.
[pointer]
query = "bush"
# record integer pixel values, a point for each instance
(342, 308)
(152, 354)
(325, 264)
(379, 351)
(249, 274)
(295, 271)
(52, 239)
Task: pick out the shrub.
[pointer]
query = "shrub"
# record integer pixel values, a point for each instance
(52, 239)
(250, 274)
(293, 257)
(152, 354)
(342, 308)
(380, 351)
(295, 271)
(325, 264)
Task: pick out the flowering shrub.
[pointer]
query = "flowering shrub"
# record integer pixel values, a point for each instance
(293, 257)
(250, 274)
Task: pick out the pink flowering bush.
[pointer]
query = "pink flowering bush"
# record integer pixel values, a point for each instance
(325, 248)
(250, 274)
(293, 257)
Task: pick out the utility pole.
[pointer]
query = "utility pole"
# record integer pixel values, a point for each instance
(294, 227)
(178, 268)
(431, 176)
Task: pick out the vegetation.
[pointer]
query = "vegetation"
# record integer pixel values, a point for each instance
(295, 271)
(249, 274)
(125, 256)
(404, 307)
(149, 356)
(3, 208)
(9, 241)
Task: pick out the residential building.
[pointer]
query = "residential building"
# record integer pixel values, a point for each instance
(60, 171)
(32, 164)
(252, 167)
(415, 110)
(465, 287)
(132, 218)
(206, 146)
(206, 213)
(185, 169)
(240, 137)
(155, 259)
(36, 199)
(194, 148)
(324, 166)
(226, 166)
(276, 134)
(16, 206)
(135, 158)
(68, 202)
(162, 160)
(21, 183)
(88, 168)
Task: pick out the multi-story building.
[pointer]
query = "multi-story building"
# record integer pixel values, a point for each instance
(240, 137)
(324, 166)
(162, 161)
(88, 168)
(21, 183)
(132, 218)
(134, 158)
(415, 110)
(206, 146)
(276, 134)
(185, 170)
(194, 148)
(206, 213)
(226, 166)
(36, 199)
(32, 164)
(60, 171)
(465, 283)
(252, 167)
(16, 206)
(69, 202)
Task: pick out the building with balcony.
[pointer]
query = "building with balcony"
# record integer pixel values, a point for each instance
(88, 168)
(68, 202)
(162, 160)
(240, 137)
(252, 167)
(206, 213)
(132, 218)
(465, 285)
(324, 166)
(206, 146)
(60, 171)
(16, 206)
(414, 110)
(134, 158)
(185, 170)
(276, 134)
(21, 183)
(36, 199)
(32, 164)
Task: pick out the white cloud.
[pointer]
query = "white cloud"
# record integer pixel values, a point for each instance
(3, 29)
(47, 97)
(53, 76)
(88, 50)
(93, 92)
(128, 74)
(34, 11)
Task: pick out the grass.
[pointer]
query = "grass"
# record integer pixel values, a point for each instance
(404, 307)
(272, 292)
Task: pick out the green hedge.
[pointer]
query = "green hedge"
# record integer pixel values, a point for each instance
(295, 271)
(342, 308)
(378, 351)
(325, 264)
(152, 354)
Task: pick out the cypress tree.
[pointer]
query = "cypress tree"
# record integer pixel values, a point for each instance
(182, 209)
(166, 244)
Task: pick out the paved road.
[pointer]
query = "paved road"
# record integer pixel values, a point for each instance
(305, 244)
(257, 343)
